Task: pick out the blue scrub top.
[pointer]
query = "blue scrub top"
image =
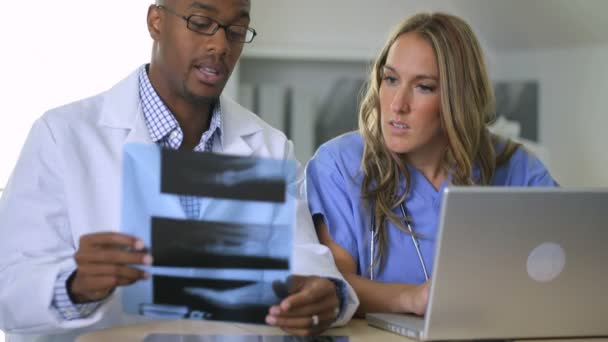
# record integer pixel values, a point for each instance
(334, 179)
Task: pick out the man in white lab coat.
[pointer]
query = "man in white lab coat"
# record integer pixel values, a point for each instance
(62, 259)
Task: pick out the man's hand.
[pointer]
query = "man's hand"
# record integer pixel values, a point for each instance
(311, 307)
(102, 260)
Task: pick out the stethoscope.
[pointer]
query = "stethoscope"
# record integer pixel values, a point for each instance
(372, 242)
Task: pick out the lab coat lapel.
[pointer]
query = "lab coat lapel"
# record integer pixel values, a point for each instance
(121, 109)
(239, 129)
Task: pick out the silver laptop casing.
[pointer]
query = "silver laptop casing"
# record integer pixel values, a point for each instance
(482, 287)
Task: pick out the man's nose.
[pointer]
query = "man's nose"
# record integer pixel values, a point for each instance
(218, 42)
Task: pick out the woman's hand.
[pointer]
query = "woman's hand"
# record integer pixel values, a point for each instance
(415, 300)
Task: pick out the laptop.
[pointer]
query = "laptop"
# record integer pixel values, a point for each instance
(515, 263)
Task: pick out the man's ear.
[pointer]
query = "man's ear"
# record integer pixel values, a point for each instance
(154, 22)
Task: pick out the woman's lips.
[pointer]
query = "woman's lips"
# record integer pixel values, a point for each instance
(398, 126)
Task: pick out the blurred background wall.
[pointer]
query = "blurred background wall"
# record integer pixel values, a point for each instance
(547, 59)
(305, 69)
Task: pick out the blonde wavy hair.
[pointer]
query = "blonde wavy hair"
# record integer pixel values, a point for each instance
(467, 107)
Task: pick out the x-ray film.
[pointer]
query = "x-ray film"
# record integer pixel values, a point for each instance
(229, 263)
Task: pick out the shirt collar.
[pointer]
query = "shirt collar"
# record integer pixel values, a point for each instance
(162, 125)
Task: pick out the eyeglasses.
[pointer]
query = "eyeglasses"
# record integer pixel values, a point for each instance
(207, 26)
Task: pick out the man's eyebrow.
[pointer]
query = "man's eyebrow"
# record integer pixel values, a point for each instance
(244, 14)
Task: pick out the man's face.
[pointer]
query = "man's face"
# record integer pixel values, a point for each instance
(192, 65)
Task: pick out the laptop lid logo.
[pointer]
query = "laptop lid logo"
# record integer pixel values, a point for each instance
(546, 262)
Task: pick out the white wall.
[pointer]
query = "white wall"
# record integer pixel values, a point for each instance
(573, 113)
(55, 52)
(336, 29)
(66, 50)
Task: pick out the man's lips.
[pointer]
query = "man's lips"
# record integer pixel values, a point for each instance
(210, 74)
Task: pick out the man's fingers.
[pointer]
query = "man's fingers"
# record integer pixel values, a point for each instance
(96, 270)
(312, 291)
(126, 281)
(95, 284)
(295, 283)
(95, 288)
(101, 283)
(111, 239)
(329, 304)
(112, 256)
(304, 323)
(325, 319)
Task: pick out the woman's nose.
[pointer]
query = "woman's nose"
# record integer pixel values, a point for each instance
(400, 103)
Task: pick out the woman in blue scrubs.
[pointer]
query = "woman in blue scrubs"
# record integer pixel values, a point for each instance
(422, 127)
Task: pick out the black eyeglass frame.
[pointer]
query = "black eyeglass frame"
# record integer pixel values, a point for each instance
(216, 26)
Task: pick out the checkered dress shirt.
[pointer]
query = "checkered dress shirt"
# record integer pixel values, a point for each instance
(165, 131)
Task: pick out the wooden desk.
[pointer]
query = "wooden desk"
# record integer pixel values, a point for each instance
(357, 330)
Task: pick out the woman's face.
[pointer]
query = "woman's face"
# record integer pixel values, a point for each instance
(410, 98)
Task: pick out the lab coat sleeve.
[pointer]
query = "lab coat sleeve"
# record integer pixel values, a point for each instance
(37, 244)
(311, 257)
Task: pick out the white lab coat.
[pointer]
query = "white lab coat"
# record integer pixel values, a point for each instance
(67, 184)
